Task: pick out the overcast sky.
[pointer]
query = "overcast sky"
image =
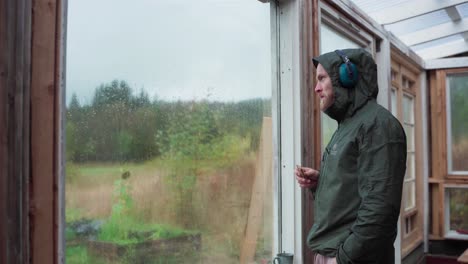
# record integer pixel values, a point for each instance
(174, 49)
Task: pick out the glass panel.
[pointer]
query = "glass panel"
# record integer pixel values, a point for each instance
(394, 75)
(458, 111)
(405, 83)
(394, 103)
(331, 40)
(169, 132)
(410, 167)
(408, 109)
(458, 209)
(409, 195)
(409, 131)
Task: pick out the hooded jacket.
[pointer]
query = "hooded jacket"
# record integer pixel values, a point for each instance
(358, 197)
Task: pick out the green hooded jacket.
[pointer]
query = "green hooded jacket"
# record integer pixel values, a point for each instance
(357, 200)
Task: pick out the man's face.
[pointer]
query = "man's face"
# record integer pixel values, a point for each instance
(324, 88)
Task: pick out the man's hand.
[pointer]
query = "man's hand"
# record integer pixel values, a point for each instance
(306, 177)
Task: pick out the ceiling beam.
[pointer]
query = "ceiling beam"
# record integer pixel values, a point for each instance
(435, 32)
(447, 63)
(453, 13)
(412, 9)
(465, 36)
(444, 50)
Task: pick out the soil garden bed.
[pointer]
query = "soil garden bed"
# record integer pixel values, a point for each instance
(142, 252)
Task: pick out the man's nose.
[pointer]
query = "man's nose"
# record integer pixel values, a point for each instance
(318, 88)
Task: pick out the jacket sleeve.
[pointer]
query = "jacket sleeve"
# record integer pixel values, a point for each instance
(381, 167)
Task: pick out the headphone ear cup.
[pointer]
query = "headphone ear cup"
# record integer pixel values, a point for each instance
(348, 80)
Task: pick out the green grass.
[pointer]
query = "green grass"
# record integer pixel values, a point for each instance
(72, 214)
(118, 231)
(79, 255)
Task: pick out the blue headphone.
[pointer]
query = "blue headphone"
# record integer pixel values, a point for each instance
(348, 72)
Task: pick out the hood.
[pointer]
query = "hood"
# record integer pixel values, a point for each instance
(349, 100)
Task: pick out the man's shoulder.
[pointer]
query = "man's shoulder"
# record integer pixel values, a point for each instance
(378, 117)
(379, 112)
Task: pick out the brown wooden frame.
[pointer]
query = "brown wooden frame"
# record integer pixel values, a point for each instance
(309, 23)
(15, 34)
(31, 79)
(439, 175)
(403, 67)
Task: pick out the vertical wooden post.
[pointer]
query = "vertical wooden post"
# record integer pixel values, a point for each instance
(46, 70)
(263, 171)
(3, 132)
(310, 112)
(15, 35)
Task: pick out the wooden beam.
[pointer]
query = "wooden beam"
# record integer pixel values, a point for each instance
(406, 51)
(362, 18)
(45, 118)
(263, 171)
(309, 29)
(435, 32)
(461, 62)
(445, 50)
(411, 9)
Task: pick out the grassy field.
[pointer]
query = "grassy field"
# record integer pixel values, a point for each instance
(216, 205)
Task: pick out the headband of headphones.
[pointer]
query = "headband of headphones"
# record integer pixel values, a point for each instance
(348, 73)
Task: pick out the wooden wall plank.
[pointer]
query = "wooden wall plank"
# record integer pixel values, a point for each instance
(15, 125)
(26, 127)
(3, 135)
(60, 99)
(14, 132)
(44, 90)
(308, 133)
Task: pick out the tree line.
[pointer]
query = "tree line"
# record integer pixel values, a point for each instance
(119, 125)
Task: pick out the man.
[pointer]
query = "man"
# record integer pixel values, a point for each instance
(358, 189)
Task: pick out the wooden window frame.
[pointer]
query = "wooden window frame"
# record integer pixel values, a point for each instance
(402, 67)
(440, 178)
(32, 38)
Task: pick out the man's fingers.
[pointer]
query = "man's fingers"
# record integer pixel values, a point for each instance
(311, 174)
(302, 181)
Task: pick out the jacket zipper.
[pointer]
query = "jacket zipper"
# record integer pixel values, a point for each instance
(323, 165)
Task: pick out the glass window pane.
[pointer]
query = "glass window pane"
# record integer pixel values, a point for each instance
(458, 209)
(410, 167)
(169, 132)
(409, 195)
(394, 103)
(331, 40)
(408, 109)
(393, 75)
(458, 122)
(409, 131)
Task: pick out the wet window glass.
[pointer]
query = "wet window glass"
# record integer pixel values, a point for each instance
(168, 132)
(457, 122)
(458, 208)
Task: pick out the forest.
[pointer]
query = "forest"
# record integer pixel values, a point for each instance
(122, 126)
